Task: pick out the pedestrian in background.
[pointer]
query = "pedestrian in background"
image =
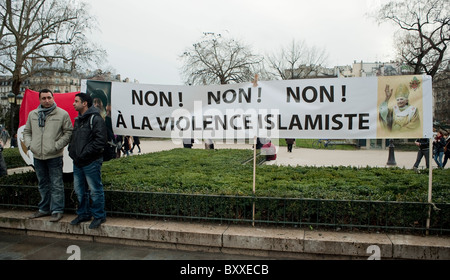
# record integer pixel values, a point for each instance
(290, 142)
(13, 143)
(4, 135)
(446, 148)
(126, 146)
(438, 146)
(86, 149)
(269, 150)
(47, 131)
(110, 151)
(3, 168)
(424, 151)
(136, 142)
(119, 141)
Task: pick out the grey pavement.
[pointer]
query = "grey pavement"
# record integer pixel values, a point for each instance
(129, 239)
(20, 246)
(218, 241)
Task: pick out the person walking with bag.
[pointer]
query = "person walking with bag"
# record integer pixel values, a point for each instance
(438, 146)
(86, 149)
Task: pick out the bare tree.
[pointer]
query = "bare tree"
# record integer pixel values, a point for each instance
(424, 35)
(296, 61)
(44, 30)
(219, 60)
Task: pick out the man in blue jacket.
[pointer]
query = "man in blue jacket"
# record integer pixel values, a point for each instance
(86, 149)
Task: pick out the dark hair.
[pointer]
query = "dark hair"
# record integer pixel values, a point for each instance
(45, 90)
(85, 97)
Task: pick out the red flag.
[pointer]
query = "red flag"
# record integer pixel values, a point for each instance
(31, 102)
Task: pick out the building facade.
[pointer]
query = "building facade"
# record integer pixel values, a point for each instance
(441, 98)
(55, 76)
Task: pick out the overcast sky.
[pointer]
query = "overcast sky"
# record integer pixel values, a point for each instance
(144, 39)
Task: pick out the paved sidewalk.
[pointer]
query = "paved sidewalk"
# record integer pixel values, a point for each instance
(22, 245)
(310, 157)
(253, 242)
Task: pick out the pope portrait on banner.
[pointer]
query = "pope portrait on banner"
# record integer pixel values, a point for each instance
(401, 116)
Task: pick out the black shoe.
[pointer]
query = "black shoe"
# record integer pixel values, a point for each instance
(56, 217)
(79, 220)
(96, 223)
(38, 214)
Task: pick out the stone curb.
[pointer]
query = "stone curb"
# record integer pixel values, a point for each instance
(279, 242)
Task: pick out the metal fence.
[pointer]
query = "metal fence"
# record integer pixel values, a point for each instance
(296, 212)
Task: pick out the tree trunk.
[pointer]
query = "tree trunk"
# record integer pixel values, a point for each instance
(16, 82)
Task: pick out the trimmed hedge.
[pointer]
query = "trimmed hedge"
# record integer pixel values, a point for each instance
(12, 157)
(223, 172)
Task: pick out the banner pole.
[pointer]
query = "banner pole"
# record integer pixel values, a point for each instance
(254, 178)
(430, 183)
(255, 84)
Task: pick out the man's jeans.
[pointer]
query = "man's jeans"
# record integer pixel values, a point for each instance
(438, 158)
(88, 186)
(51, 186)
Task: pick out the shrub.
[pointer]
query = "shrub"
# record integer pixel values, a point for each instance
(12, 157)
(222, 172)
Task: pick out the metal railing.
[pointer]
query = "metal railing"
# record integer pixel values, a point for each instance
(296, 212)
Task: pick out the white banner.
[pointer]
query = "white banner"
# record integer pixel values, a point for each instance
(337, 108)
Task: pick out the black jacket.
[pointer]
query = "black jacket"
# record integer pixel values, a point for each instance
(88, 138)
(438, 145)
(424, 143)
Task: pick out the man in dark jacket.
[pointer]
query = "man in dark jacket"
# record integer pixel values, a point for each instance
(424, 151)
(86, 149)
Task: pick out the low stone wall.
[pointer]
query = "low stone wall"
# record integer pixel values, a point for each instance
(277, 242)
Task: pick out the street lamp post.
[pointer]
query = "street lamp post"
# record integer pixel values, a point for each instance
(14, 101)
(5, 105)
(391, 159)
